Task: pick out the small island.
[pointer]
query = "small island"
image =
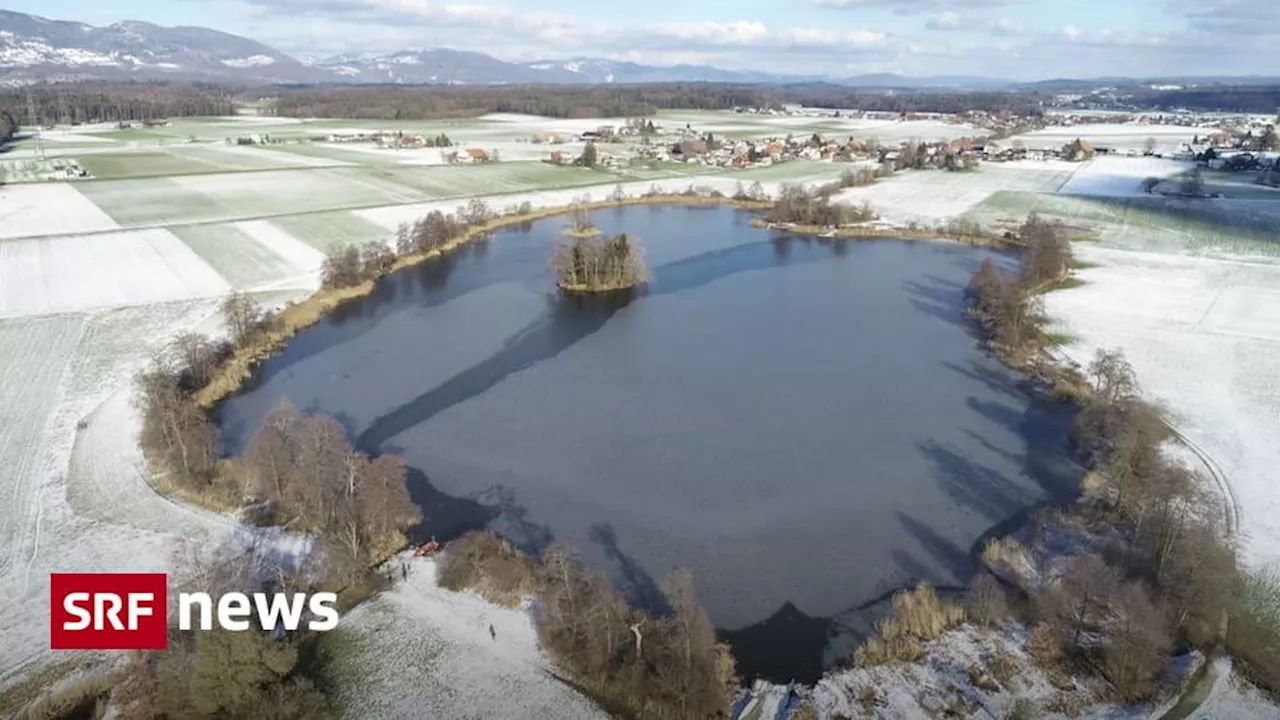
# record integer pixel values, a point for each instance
(594, 263)
(582, 227)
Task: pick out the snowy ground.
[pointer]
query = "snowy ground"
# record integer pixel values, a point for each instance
(78, 500)
(1119, 176)
(932, 195)
(48, 209)
(82, 272)
(1204, 337)
(1128, 136)
(922, 689)
(1233, 697)
(418, 651)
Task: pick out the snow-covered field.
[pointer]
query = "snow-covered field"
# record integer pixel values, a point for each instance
(1204, 337)
(1129, 136)
(1119, 176)
(81, 272)
(78, 500)
(48, 209)
(930, 195)
(419, 651)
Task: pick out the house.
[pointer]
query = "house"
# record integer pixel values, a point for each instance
(692, 148)
(476, 155)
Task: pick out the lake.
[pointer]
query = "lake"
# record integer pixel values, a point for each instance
(806, 425)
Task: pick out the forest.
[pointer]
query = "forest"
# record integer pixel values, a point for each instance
(73, 103)
(1263, 99)
(402, 102)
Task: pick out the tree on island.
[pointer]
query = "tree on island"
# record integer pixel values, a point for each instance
(599, 264)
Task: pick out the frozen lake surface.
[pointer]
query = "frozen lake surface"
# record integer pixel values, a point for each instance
(805, 425)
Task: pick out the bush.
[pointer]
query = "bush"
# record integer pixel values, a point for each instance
(986, 602)
(491, 566)
(919, 615)
(800, 206)
(1254, 634)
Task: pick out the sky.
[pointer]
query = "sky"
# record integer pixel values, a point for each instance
(1013, 39)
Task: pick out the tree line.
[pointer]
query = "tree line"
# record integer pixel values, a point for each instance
(1154, 568)
(1007, 306)
(416, 102)
(112, 102)
(297, 471)
(419, 102)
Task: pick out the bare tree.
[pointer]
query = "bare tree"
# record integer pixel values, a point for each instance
(376, 258)
(1078, 603)
(198, 357)
(242, 315)
(342, 267)
(1137, 645)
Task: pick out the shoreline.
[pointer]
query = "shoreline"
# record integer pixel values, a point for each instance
(233, 372)
(893, 232)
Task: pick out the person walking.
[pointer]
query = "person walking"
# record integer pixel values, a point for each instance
(493, 633)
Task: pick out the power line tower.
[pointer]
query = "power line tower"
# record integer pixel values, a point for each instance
(35, 124)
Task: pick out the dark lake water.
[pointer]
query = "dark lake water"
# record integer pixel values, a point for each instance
(805, 425)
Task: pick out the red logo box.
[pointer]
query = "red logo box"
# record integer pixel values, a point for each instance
(108, 611)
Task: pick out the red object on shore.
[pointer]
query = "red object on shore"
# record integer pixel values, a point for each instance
(427, 549)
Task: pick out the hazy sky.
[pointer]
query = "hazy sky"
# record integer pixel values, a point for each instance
(1020, 39)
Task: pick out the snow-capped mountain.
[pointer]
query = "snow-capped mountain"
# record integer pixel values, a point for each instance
(34, 47)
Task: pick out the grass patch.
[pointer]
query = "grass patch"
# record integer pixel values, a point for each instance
(84, 699)
(243, 261)
(1066, 283)
(919, 615)
(116, 166)
(23, 694)
(323, 231)
(492, 567)
(1253, 636)
(1059, 339)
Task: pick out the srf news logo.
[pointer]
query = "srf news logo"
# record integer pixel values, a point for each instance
(129, 611)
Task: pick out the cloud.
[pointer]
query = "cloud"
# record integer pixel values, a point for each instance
(907, 7)
(964, 36)
(511, 33)
(946, 20)
(1228, 17)
(1005, 27)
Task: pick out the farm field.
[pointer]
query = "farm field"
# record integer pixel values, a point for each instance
(81, 272)
(489, 179)
(26, 210)
(325, 230)
(78, 499)
(1131, 136)
(1220, 228)
(239, 258)
(1203, 335)
(930, 196)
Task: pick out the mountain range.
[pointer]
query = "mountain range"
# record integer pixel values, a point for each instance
(34, 49)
